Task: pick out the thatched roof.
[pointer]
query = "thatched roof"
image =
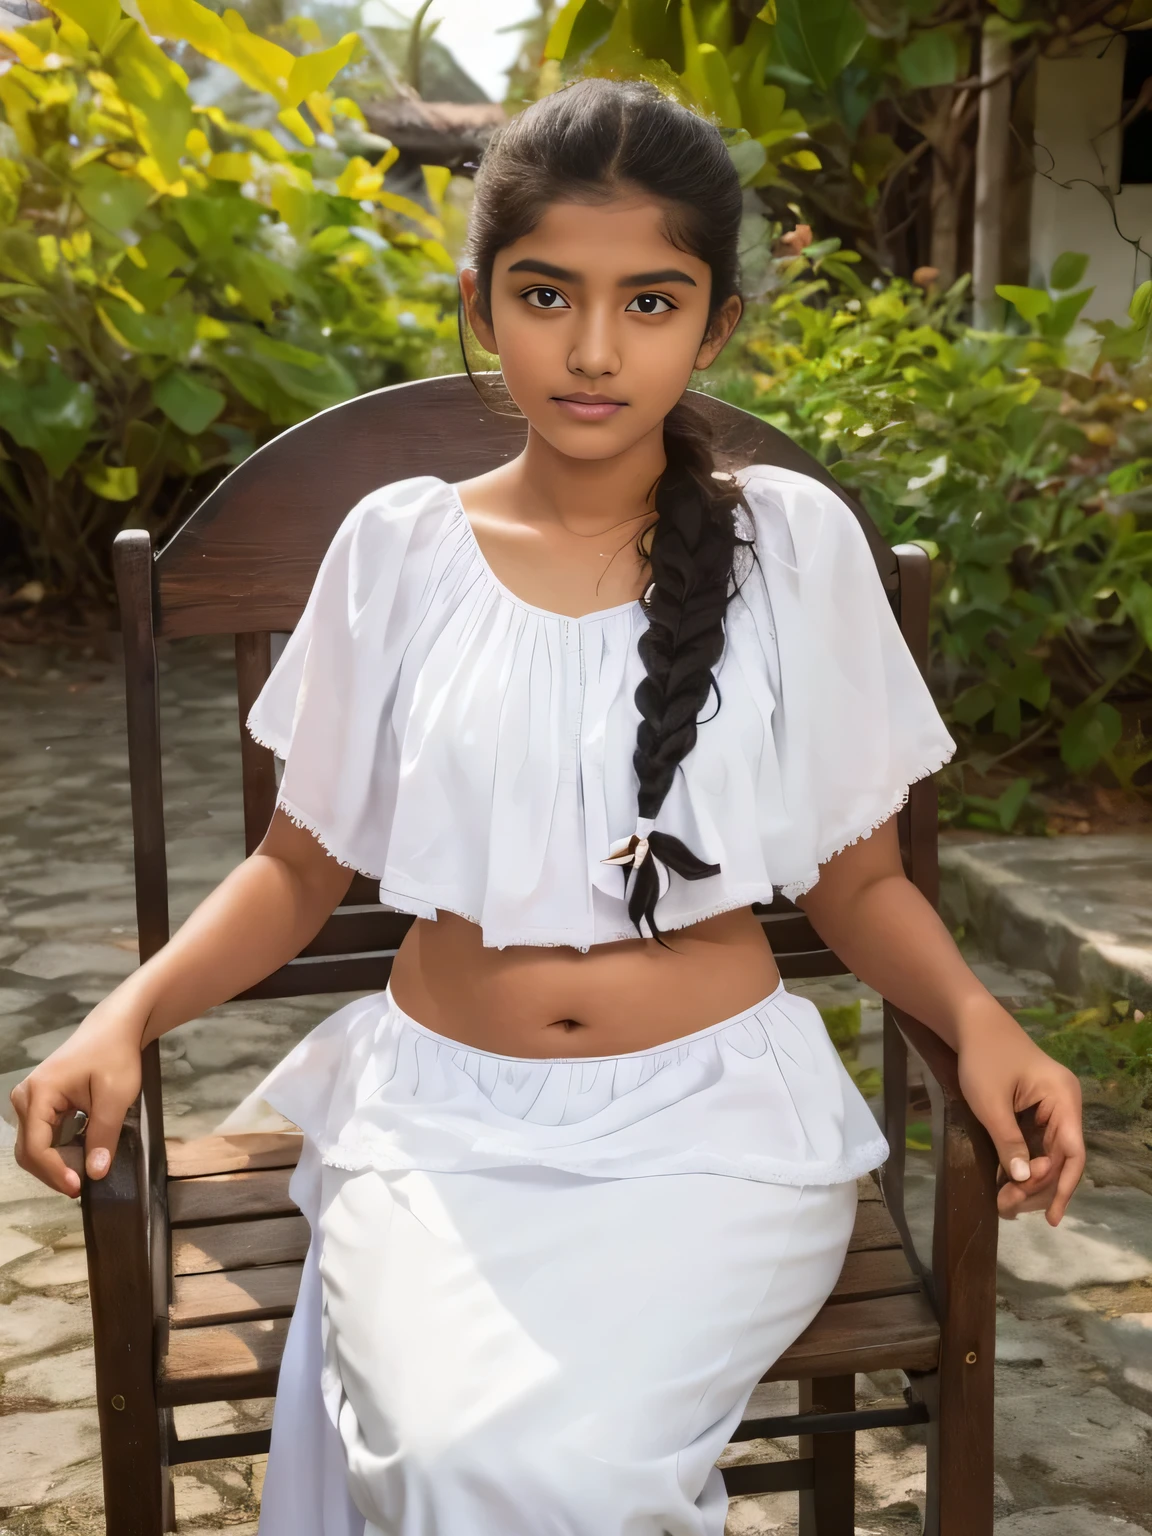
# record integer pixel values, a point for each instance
(450, 133)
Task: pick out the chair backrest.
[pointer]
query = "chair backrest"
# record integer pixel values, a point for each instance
(244, 562)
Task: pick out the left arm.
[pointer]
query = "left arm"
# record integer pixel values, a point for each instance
(874, 918)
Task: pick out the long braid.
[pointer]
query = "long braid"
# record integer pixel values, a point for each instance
(692, 558)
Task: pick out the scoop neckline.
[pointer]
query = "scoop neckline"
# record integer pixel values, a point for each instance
(520, 602)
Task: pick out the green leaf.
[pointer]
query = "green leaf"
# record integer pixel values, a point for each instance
(578, 28)
(931, 58)
(1089, 732)
(1067, 270)
(1029, 303)
(818, 38)
(1141, 304)
(113, 200)
(99, 18)
(560, 33)
(170, 334)
(1138, 606)
(188, 401)
(1012, 802)
(52, 416)
(112, 482)
(747, 156)
(1064, 313)
(146, 78)
(974, 703)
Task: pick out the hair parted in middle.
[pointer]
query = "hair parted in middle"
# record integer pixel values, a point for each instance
(589, 142)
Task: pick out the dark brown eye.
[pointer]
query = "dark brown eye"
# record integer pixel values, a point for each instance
(650, 304)
(546, 298)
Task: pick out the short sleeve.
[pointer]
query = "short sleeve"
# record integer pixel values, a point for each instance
(327, 707)
(855, 724)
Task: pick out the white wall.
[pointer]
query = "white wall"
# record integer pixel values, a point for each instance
(1078, 106)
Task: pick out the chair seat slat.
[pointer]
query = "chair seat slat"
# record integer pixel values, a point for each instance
(230, 1196)
(889, 1333)
(221, 1364)
(879, 1272)
(238, 1244)
(874, 1228)
(228, 1296)
(230, 1154)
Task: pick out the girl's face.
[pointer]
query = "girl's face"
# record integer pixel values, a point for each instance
(598, 321)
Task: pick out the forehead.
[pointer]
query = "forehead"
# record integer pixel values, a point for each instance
(625, 234)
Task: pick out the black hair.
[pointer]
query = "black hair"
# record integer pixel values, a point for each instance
(588, 142)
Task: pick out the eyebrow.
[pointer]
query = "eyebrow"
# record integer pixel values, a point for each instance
(637, 279)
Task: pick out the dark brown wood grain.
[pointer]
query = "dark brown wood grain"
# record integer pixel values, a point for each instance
(257, 764)
(230, 1196)
(360, 932)
(828, 1508)
(768, 1477)
(874, 1228)
(889, 1333)
(137, 1485)
(238, 1244)
(304, 978)
(874, 1272)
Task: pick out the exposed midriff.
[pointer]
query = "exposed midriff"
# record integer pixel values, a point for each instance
(629, 995)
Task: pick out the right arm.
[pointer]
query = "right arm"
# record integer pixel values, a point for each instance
(255, 921)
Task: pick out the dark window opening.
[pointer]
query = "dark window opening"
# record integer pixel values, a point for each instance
(1136, 155)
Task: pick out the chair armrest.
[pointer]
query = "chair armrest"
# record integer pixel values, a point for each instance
(965, 1218)
(116, 1222)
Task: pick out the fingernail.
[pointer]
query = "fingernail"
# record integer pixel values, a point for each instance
(1019, 1168)
(98, 1162)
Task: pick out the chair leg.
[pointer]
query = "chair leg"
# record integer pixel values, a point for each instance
(961, 1400)
(133, 1446)
(829, 1508)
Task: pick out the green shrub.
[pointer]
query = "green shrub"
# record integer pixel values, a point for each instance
(1109, 1047)
(176, 287)
(1022, 461)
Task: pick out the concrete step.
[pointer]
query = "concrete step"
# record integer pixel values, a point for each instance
(1077, 908)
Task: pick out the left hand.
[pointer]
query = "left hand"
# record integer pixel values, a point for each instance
(1003, 1072)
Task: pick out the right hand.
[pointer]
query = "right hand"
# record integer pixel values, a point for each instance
(97, 1070)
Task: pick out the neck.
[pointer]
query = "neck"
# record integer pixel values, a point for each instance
(586, 494)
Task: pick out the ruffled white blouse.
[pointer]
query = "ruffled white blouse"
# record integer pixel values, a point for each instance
(473, 752)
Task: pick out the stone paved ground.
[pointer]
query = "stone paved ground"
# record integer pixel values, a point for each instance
(1074, 1413)
(1078, 907)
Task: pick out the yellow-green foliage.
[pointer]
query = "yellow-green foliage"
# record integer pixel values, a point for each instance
(689, 50)
(175, 286)
(1022, 461)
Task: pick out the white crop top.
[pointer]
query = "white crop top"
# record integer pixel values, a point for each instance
(473, 753)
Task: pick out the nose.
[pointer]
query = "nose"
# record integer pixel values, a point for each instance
(595, 351)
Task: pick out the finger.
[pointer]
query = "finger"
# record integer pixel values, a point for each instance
(1011, 1148)
(1013, 1197)
(35, 1152)
(102, 1133)
(1070, 1175)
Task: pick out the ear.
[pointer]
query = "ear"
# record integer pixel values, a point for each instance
(724, 322)
(470, 296)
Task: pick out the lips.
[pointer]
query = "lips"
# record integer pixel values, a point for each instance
(588, 407)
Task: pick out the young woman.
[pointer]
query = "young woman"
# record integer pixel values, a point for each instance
(585, 1169)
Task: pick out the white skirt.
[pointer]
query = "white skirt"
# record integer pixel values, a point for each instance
(540, 1291)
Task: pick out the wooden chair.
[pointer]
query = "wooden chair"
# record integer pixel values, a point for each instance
(195, 1249)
